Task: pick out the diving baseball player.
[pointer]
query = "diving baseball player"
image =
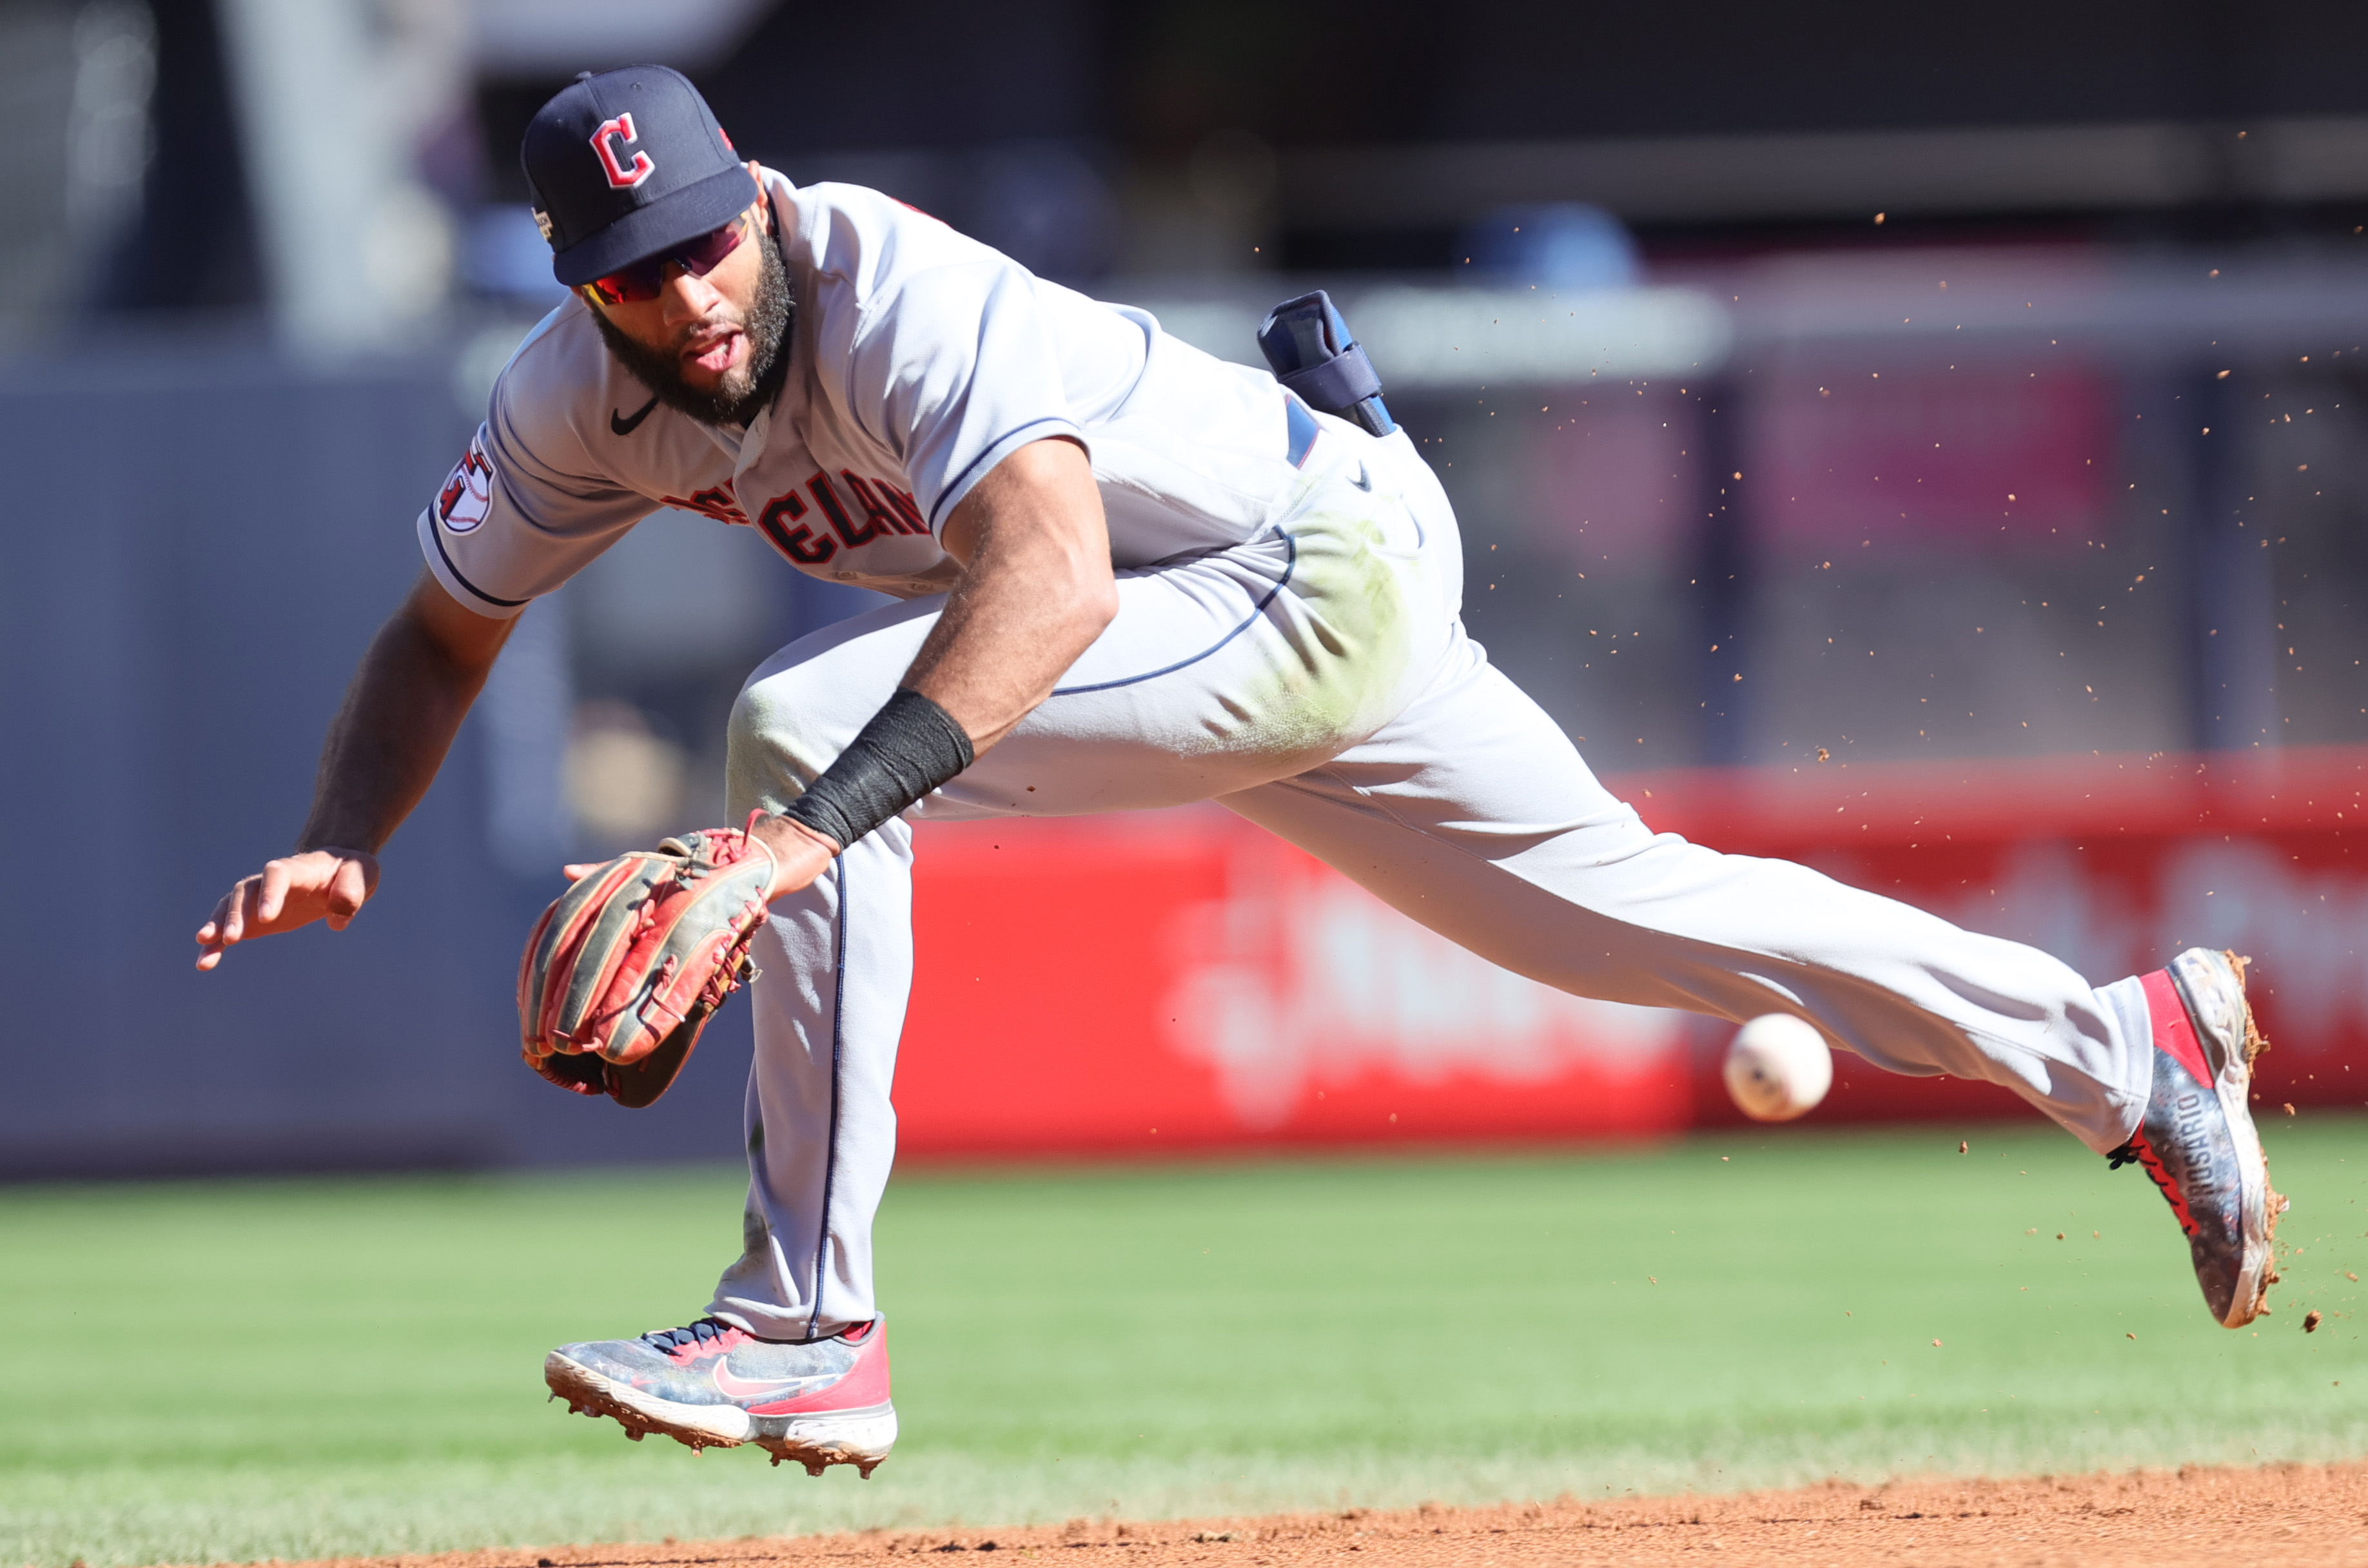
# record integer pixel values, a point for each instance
(1132, 575)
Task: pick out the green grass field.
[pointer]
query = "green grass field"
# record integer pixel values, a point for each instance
(241, 1371)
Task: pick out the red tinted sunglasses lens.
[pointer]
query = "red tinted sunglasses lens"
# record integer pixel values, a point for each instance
(705, 254)
(699, 257)
(636, 283)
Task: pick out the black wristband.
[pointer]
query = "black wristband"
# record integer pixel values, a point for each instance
(910, 747)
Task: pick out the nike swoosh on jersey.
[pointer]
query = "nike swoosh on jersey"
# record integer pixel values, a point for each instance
(626, 427)
(731, 1387)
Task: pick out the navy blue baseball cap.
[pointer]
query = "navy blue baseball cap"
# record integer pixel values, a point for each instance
(626, 164)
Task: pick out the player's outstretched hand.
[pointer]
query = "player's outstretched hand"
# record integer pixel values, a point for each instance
(320, 884)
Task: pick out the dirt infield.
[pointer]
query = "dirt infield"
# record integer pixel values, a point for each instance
(2290, 1513)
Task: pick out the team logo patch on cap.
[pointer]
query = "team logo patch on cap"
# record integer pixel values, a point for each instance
(468, 495)
(613, 134)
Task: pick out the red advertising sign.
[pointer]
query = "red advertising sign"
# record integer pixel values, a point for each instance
(1141, 986)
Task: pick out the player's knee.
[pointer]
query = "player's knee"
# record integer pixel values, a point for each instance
(769, 760)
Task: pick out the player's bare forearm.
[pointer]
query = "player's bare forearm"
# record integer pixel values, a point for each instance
(411, 690)
(1035, 592)
(415, 686)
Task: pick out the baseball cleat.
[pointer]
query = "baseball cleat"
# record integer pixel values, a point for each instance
(816, 1402)
(2197, 1139)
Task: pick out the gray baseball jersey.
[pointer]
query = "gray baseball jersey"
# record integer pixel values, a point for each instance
(920, 360)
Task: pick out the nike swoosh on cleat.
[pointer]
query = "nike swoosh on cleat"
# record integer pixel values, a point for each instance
(626, 427)
(731, 1387)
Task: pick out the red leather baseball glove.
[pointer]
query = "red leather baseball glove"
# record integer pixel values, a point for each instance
(625, 967)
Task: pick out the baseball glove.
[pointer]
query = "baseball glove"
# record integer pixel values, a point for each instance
(625, 967)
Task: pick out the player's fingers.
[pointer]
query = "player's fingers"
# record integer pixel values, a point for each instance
(575, 872)
(272, 895)
(349, 887)
(210, 934)
(235, 911)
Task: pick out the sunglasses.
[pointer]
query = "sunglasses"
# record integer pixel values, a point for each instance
(643, 279)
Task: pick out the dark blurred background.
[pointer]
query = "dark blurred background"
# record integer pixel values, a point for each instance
(1898, 384)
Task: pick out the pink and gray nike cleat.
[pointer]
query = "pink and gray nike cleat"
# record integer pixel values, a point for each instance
(2197, 1139)
(816, 1402)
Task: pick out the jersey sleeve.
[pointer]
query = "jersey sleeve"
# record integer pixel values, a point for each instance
(523, 511)
(954, 369)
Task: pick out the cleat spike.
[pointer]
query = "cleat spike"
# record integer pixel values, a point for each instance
(634, 1432)
(814, 1467)
(777, 1461)
(864, 1471)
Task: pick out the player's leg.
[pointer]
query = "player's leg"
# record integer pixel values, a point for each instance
(791, 1354)
(1472, 812)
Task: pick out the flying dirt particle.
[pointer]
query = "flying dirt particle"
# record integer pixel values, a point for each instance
(2353, 1277)
(2059, 1235)
(1936, 1345)
(2099, 1235)
(2289, 1107)
(1650, 1281)
(1824, 755)
(2310, 1324)
(2128, 1336)
(1962, 1145)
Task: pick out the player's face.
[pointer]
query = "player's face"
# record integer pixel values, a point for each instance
(700, 322)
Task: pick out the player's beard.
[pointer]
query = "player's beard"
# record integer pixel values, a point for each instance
(749, 386)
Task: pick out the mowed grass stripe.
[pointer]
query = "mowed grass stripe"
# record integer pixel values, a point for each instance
(238, 1370)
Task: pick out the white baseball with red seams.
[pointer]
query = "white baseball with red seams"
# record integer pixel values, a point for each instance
(1288, 644)
(1777, 1068)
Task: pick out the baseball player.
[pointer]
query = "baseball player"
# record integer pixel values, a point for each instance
(1132, 575)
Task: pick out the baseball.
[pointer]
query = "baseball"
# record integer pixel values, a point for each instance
(1777, 1068)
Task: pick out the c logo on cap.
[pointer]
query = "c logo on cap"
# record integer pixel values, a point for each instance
(605, 141)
